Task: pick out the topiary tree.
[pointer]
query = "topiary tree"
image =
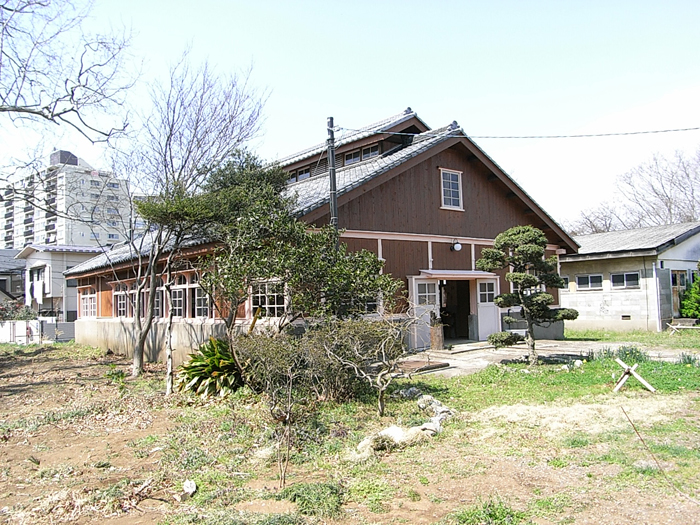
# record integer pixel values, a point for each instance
(522, 250)
(690, 303)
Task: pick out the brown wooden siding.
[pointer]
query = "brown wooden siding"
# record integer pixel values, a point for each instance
(410, 202)
(446, 259)
(404, 257)
(356, 245)
(104, 297)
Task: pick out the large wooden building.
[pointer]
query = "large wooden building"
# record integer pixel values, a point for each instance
(425, 201)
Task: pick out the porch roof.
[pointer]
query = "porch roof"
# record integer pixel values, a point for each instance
(456, 275)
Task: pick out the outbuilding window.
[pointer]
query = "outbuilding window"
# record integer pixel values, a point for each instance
(589, 282)
(625, 280)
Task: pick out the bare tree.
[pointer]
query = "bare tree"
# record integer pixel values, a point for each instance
(197, 121)
(53, 71)
(661, 191)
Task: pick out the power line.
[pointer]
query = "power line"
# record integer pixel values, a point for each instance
(588, 135)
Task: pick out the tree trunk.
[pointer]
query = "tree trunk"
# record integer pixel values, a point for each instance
(530, 339)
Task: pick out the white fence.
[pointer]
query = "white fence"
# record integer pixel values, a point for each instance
(20, 332)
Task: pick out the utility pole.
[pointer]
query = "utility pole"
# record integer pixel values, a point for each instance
(331, 174)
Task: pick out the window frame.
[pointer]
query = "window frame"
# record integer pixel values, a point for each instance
(443, 189)
(487, 295)
(353, 159)
(589, 287)
(369, 152)
(424, 297)
(624, 284)
(271, 289)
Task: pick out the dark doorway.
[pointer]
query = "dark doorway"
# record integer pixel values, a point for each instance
(455, 309)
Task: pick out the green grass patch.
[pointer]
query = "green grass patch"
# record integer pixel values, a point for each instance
(491, 512)
(551, 506)
(315, 499)
(373, 492)
(685, 339)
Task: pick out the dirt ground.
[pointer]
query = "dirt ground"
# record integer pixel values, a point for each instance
(67, 441)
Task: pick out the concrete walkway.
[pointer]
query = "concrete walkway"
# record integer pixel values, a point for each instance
(470, 357)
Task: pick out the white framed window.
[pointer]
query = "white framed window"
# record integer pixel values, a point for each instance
(158, 304)
(487, 292)
(369, 152)
(112, 198)
(200, 303)
(451, 183)
(95, 183)
(113, 236)
(300, 174)
(177, 301)
(112, 211)
(112, 184)
(426, 293)
(589, 282)
(625, 280)
(88, 302)
(94, 196)
(269, 297)
(94, 235)
(352, 157)
(120, 304)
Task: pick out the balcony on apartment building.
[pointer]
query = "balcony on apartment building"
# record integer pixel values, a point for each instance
(9, 226)
(28, 207)
(9, 214)
(28, 220)
(8, 238)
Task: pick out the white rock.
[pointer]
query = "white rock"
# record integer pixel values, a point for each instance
(189, 487)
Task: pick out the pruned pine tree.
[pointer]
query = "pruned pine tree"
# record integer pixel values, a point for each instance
(521, 250)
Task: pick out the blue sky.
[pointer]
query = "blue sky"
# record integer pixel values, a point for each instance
(498, 68)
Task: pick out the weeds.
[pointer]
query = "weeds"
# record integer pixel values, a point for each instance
(315, 499)
(491, 512)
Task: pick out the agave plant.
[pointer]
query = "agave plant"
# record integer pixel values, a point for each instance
(210, 371)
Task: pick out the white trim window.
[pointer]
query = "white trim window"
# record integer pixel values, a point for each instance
(589, 282)
(370, 151)
(178, 296)
(451, 184)
(270, 298)
(624, 280)
(352, 157)
(88, 302)
(487, 292)
(119, 296)
(158, 303)
(200, 303)
(426, 293)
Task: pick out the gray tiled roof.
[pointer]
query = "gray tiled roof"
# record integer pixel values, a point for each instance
(361, 133)
(652, 238)
(8, 261)
(314, 192)
(125, 253)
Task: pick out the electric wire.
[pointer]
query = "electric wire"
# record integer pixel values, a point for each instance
(586, 135)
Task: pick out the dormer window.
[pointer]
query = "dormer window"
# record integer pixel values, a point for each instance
(371, 151)
(352, 157)
(300, 174)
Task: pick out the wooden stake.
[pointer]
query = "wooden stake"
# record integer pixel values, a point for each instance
(625, 376)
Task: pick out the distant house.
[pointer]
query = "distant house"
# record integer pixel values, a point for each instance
(630, 279)
(47, 292)
(11, 276)
(425, 201)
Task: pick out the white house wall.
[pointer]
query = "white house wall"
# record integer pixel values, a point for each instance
(617, 309)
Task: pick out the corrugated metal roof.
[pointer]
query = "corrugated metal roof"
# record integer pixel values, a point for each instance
(314, 192)
(346, 138)
(651, 238)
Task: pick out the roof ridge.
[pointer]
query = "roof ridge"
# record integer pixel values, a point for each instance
(368, 130)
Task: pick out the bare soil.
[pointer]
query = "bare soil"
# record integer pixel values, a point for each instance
(70, 435)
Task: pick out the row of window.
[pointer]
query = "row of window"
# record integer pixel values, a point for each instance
(187, 299)
(427, 293)
(595, 281)
(350, 158)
